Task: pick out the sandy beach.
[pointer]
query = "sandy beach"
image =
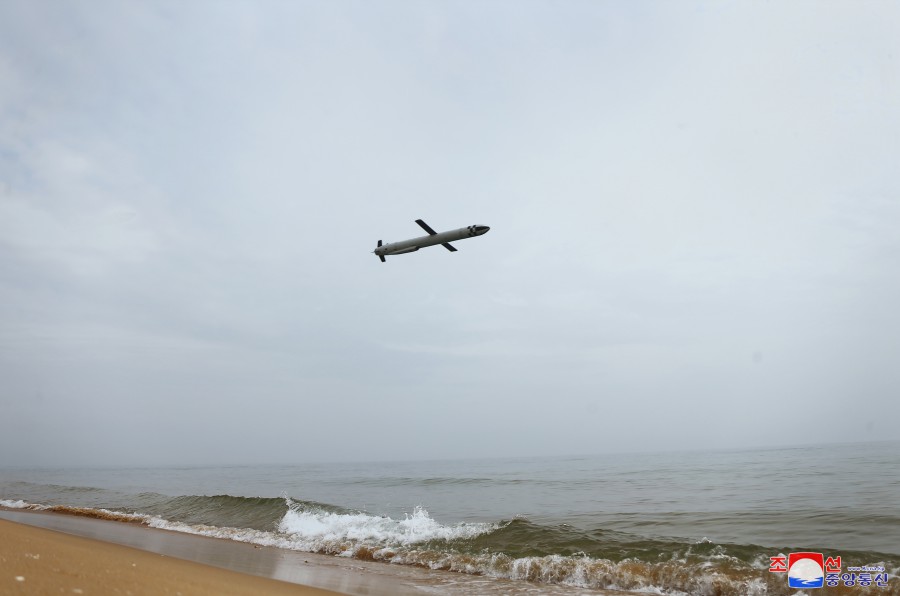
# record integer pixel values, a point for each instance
(39, 561)
(44, 553)
(101, 552)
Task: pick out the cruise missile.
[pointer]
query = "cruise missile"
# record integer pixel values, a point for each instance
(414, 244)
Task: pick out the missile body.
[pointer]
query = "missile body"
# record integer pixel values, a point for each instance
(414, 244)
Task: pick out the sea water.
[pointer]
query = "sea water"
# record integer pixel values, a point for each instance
(672, 523)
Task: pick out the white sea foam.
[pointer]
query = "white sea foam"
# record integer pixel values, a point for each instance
(670, 578)
(20, 504)
(325, 528)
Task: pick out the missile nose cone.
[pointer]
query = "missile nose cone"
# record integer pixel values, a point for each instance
(479, 230)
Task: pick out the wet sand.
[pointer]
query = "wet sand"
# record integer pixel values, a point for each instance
(65, 553)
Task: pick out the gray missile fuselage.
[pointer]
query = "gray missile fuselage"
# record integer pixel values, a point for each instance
(414, 244)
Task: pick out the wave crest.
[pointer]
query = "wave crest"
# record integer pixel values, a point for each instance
(337, 533)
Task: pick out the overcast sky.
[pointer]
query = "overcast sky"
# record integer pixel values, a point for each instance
(694, 211)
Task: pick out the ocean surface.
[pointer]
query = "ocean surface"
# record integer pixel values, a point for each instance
(664, 523)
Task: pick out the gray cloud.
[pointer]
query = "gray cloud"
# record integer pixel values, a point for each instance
(693, 207)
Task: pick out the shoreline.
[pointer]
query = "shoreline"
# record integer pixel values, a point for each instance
(297, 570)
